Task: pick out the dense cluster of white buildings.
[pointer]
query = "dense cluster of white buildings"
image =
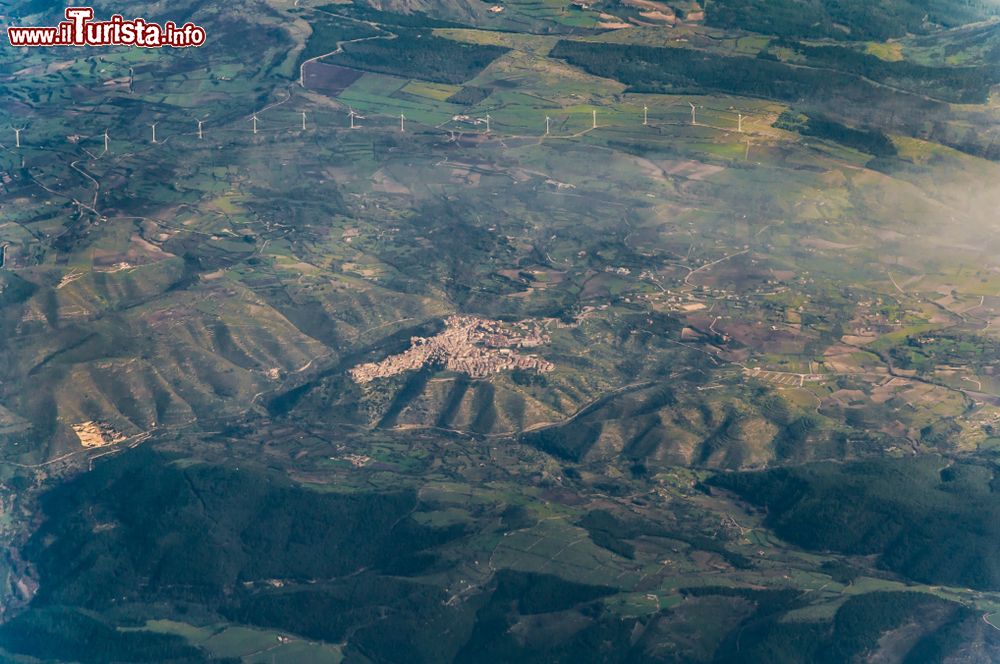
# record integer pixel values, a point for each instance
(471, 345)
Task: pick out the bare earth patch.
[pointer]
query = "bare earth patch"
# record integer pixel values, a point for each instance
(97, 434)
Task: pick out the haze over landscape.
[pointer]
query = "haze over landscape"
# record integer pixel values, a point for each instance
(518, 331)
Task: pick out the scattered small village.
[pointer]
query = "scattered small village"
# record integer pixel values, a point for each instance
(475, 346)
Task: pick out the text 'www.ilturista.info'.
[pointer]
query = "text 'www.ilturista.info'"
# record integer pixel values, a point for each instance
(79, 29)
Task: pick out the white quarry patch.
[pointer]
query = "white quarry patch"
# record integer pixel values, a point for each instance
(97, 434)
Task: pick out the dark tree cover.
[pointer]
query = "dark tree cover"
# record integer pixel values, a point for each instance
(768, 602)
(15, 289)
(419, 54)
(329, 611)
(855, 632)
(603, 637)
(70, 635)
(142, 528)
(829, 71)
(871, 141)
(929, 519)
(963, 85)
(470, 95)
(684, 70)
(544, 593)
(570, 442)
(842, 19)
(327, 31)
(611, 532)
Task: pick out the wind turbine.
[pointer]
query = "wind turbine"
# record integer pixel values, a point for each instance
(594, 123)
(694, 110)
(645, 115)
(352, 115)
(106, 140)
(153, 127)
(303, 120)
(200, 135)
(402, 120)
(546, 125)
(17, 136)
(254, 118)
(739, 125)
(487, 123)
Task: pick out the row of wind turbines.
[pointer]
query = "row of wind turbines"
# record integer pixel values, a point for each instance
(354, 117)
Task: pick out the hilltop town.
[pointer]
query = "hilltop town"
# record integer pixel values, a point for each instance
(475, 346)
